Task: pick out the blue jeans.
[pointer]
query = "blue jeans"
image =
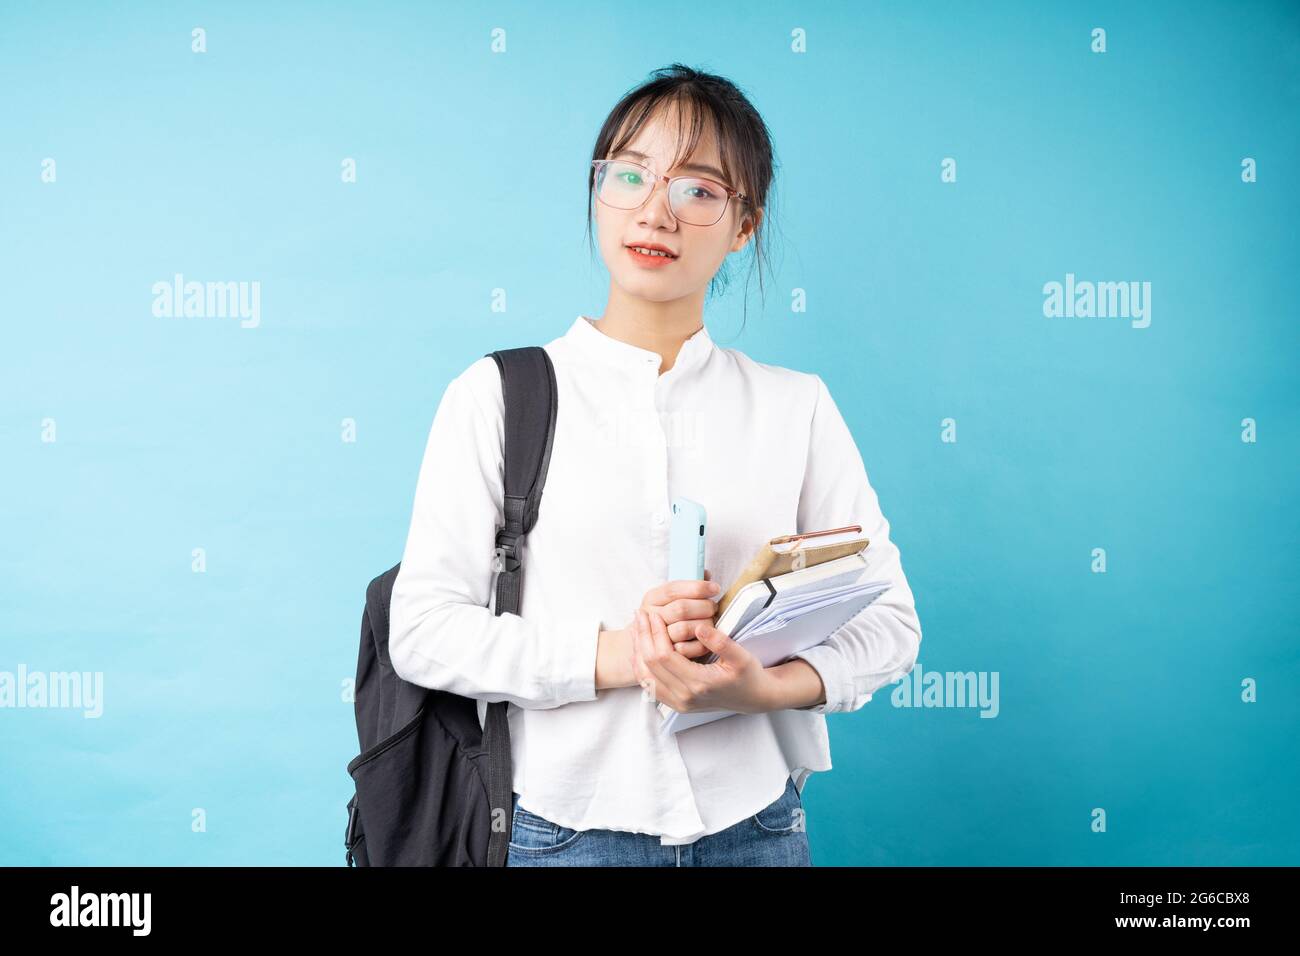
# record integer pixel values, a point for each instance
(775, 836)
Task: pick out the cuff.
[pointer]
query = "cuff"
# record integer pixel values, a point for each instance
(828, 664)
(573, 642)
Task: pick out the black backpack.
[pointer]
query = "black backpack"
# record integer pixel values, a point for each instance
(430, 780)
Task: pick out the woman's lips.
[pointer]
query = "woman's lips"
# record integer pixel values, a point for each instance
(649, 262)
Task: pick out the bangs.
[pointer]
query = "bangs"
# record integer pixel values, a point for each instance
(691, 111)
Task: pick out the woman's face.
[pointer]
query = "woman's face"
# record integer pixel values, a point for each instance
(699, 250)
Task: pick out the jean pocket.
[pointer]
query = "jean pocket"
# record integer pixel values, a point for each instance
(531, 834)
(784, 814)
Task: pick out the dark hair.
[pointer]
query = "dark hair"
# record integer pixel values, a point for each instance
(743, 140)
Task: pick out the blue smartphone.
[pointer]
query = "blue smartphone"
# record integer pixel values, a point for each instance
(686, 544)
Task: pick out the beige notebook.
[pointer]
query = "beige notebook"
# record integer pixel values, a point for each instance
(790, 552)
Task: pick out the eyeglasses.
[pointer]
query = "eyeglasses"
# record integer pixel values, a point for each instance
(695, 201)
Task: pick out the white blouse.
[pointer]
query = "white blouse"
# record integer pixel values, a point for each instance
(763, 448)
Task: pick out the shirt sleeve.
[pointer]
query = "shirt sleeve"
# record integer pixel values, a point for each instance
(881, 642)
(443, 632)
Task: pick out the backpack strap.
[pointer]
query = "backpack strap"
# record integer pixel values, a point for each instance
(528, 384)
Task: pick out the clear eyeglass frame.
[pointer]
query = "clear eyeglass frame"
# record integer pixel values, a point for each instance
(654, 178)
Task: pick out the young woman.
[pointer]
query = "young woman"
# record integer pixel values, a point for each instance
(650, 408)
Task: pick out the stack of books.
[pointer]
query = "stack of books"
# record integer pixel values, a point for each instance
(796, 592)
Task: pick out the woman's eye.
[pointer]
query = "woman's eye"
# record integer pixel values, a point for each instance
(632, 179)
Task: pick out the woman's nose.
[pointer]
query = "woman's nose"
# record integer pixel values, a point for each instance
(657, 208)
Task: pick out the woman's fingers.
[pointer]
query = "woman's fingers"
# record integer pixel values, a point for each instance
(687, 609)
(672, 590)
(660, 659)
(688, 643)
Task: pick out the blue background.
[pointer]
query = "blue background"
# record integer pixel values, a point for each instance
(226, 690)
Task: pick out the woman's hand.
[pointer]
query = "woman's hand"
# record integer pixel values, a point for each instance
(684, 607)
(736, 681)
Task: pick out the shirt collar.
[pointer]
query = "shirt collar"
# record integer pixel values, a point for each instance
(695, 351)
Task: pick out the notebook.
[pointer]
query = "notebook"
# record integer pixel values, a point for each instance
(778, 616)
(790, 552)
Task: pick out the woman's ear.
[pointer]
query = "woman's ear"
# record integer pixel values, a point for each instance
(748, 224)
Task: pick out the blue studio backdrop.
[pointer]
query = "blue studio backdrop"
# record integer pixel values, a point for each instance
(1044, 256)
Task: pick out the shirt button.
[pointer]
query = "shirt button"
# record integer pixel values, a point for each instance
(659, 517)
